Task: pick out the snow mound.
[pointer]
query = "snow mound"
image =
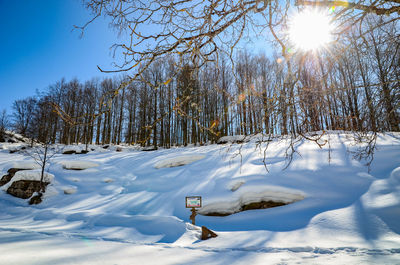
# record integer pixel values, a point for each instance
(25, 165)
(395, 175)
(178, 161)
(70, 190)
(73, 148)
(108, 180)
(14, 148)
(78, 165)
(234, 186)
(30, 175)
(384, 193)
(12, 137)
(277, 194)
(232, 139)
(259, 138)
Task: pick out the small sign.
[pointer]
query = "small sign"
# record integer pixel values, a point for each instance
(193, 202)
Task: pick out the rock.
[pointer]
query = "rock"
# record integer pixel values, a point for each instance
(36, 199)
(69, 152)
(77, 169)
(24, 189)
(106, 146)
(12, 171)
(6, 178)
(261, 205)
(249, 206)
(207, 233)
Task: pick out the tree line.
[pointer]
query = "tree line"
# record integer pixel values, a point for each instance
(353, 86)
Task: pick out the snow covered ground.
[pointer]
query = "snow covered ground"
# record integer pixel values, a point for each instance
(129, 208)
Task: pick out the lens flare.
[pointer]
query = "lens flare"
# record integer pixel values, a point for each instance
(310, 29)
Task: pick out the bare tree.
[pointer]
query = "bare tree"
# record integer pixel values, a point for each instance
(204, 29)
(188, 82)
(4, 123)
(42, 155)
(23, 114)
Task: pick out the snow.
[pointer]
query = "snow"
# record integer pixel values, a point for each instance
(130, 208)
(74, 148)
(69, 190)
(14, 140)
(231, 139)
(30, 175)
(25, 165)
(275, 194)
(108, 180)
(178, 161)
(78, 165)
(235, 185)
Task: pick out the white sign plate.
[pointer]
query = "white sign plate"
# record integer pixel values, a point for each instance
(193, 202)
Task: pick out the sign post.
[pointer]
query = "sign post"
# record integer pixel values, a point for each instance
(193, 202)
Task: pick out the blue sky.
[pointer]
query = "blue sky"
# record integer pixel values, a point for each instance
(38, 46)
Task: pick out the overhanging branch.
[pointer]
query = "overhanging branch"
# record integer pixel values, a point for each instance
(351, 5)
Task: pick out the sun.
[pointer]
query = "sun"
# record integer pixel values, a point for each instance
(310, 29)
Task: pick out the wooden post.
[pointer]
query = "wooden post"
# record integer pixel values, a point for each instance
(193, 202)
(193, 216)
(207, 233)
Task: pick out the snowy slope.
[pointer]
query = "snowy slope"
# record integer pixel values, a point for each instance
(130, 205)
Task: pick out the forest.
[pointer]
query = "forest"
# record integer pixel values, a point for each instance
(351, 86)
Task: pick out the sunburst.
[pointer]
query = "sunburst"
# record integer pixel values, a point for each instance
(310, 29)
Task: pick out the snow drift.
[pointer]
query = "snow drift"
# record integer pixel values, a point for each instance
(134, 202)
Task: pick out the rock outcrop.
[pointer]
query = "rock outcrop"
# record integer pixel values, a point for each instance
(24, 189)
(6, 178)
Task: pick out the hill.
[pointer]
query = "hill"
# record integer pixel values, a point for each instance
(128, 207)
